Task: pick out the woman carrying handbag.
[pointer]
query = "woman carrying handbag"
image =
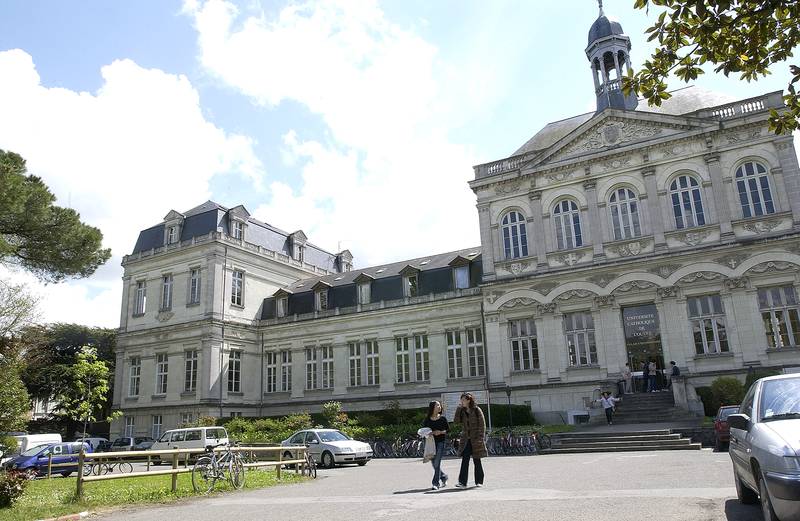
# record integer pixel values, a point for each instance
(473, 439)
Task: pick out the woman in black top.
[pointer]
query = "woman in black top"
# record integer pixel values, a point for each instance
(438, 425)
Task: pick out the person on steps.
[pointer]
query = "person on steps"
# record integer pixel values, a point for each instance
(608, 402)
(626, 375)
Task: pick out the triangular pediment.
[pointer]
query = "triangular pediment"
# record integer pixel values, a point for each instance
(240, 212)
(363, 278)
(173, 216)
(298, 237)
(616, 129)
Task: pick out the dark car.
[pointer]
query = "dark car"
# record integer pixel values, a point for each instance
(128, 443)
(36, 458)
(722, 433)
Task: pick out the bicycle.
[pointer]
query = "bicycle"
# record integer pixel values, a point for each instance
(543, 441)
(211, 467)
(101, 468)
(310, 467)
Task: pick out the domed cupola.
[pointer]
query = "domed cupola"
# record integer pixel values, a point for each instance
(609, 53)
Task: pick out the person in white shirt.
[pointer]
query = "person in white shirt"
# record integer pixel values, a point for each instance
(608, 402)
(626, 375)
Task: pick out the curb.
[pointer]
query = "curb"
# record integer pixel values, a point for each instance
(70, 517)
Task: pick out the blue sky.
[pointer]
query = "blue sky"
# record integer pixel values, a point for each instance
(355, 121)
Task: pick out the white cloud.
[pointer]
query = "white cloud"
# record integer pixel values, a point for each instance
(386, 181)
(122, 157)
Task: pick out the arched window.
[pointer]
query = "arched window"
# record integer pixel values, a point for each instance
(754, 192)
(568, 225)
(515, 237)
(624, 209)
(687, 202)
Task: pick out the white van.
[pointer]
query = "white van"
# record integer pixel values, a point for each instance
(29, 441)
(190, 438)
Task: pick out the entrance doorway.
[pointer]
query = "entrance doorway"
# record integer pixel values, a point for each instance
(643, 342)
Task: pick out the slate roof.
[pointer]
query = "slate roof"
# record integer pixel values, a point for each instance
(382, 271)
(603, 27)
(683, 102)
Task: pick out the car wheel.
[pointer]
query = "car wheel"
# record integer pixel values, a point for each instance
(66, 474)
(362, 463)
(745, 495)
(766, 502)
(327, 460)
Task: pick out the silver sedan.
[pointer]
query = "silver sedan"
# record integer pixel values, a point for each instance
(330, 447)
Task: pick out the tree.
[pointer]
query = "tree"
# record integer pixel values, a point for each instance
(18, 308)
(49, 241)
(14, 402)
(86, 394)
(738, 36)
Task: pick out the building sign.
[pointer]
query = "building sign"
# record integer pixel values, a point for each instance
(450, 402)
(641, 325)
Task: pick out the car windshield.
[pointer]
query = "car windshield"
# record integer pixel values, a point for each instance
(780, 399)
(327, 436)
(724, 413)
(33, 451)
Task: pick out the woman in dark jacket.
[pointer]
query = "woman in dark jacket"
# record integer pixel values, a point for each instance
(473, 439)
(438, 425)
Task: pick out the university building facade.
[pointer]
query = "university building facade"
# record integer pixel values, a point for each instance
(625, 234)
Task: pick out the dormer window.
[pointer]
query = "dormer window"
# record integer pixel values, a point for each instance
(410, 286)
(238, 230)
(364, 293)
(172, 227)
(348, 266)
(299, 253)
(321, 298)
(297, 245)
(172, 235)
(283, 306)
(461, 276)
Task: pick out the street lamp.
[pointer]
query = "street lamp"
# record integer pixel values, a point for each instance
(508, 395)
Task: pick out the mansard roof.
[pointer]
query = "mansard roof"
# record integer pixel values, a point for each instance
(382, 271)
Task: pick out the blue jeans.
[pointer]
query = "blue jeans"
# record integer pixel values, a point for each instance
(438, 475)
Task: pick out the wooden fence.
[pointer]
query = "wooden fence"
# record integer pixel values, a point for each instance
(298, 460)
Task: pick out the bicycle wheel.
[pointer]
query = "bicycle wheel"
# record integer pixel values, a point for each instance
(544, 441)
(311, 466)
(88, 469)
(204, 476)
(236, 473)
(124, 467)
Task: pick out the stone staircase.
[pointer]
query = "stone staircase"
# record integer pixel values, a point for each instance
(647, 408)
(622, 441)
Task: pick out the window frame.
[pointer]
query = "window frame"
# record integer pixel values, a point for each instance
(514, 235)
(476, 352)
(321, 303)
(172, 234)
(626, 210)
(156, 434)
(190, 366)
(167, 284)
(135, 365)
(237, 229)
(364, 292)
(162, 374)
(587, 334)
(465, 283)
(271, 372)
(195, 285)
(706, 312)
(140, 298)
(749, 206)
(411, 290)
(234, 372)
(455, 354)
(567, 224)
(311, 369)
(281, 307)
(694, 189)
(130, 426)
(524, 344)
(789, 327)
(237, 288)
(286, 370)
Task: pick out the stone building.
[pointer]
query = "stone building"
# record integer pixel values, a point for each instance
(611, 237)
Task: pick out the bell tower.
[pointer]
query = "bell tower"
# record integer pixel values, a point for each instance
(609, 54)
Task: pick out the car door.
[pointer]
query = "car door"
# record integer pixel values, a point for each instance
(314, 445)
(739, 447)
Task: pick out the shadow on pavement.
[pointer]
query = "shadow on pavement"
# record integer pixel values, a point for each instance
(735, 511)
(412, 491)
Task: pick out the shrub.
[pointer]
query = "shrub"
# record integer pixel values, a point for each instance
(8, 444)
(707, 397)
(12, 486)
(727, 391)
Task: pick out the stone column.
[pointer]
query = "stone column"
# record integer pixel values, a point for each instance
(487, 241)
(341, 367)
(596, 233)
(125, 312)
(719, 195)
(121, 387)
(654, 208)
(616, 66)
(594, 77)
(536, 240)
(552, 349)
(386, 349)
(787, 156)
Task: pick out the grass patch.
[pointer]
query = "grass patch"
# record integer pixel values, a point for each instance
(553, 429)
(708, 421)
(55, 497)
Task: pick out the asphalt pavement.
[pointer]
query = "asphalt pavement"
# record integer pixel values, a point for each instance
(635, 486)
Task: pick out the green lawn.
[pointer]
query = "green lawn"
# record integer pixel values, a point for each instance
(49, 498)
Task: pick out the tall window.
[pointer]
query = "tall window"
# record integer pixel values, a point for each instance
(286, 371)
(687, 202)
(707, 318)
(194, 286)
(421, 358)
(130, 426)
(321, 299)
(455, 355)
(172, 234)
(567, 219)
(364, 293)
(299, 252)
(166, 292)
(235, 371)
(579, 330)
(187, 418)
(134, 376)
(272, 372)
(515, 236)
(624, 209)
(475, 351)
(155, 431)
(311, 368)
(524, 345)
(403, 360)
(461, 277)
(283, 306)
(162, 369)
(326, 355)
(411, 285)
(779, 311)
(354, 349)
(190, 378)
(755, 195)
(238, 229)
(373, 362)
(237, 287)
(141, 297)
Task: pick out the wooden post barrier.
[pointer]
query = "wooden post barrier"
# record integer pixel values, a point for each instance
(175, 475)
(280, 464)
(49, 465)
(81, 459)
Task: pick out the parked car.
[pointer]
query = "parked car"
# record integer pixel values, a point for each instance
(190, 438)
(29, 441)
(765, 447)
(329, 447)
(127, 443)
(94, 442)
(36, 458)
(721, 430)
